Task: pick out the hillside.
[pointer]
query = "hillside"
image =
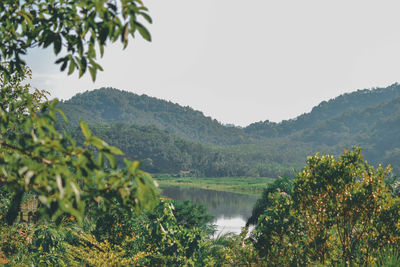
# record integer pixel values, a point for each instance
(161, 152)
(108, 105)
(171, 138)
(327, 110)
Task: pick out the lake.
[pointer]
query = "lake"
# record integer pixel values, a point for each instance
(231, 210)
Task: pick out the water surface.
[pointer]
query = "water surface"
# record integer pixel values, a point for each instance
(231, 210)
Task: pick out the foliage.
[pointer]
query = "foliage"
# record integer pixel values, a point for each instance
(161, 152)
(94, 253)
(278, 233)
(191, 215)
(108, 105)
(14, 241)
(282, 185)
(232, 250)
(47, 245)
(81, 27)
(158, 150)
(388, 257)
(287, 230)
(338, 211)
(368, 118)
(35, 158)
(170, 242)
(171, 234)
(394, 185)
(176, 243)
(340, 202)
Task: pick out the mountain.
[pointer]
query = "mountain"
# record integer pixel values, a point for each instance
(327, 110)
(161, 152)
(170, 138)
(108, 105)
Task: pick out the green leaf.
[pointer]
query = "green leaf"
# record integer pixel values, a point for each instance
(101, 50)
(93, 72)
(48, 38)
(135, 165)
(97, 142)
(91, 50)
(85, 130)
(83, 65)
(57, 44)
(143, 31)
(64, 65)
(26, 17)
(115, 151)
(111, 159)
(72, 66)
(100, 159)
(103, 34)
(147, 17)
(62, 59)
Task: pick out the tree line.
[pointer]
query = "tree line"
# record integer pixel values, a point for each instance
(365, 118)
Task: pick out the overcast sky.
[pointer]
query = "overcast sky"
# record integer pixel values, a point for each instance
(246, 61)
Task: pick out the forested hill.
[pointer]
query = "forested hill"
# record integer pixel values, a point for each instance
(326, 110)
(171, 138)
(108, 105)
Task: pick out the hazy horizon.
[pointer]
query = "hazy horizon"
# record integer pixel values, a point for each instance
(210, 115)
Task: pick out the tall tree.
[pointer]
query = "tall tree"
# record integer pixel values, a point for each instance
(34, 157)
(340, 201)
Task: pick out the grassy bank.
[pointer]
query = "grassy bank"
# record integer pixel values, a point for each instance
(244, 185)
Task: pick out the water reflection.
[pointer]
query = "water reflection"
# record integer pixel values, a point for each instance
(230, 210)
(231, 225)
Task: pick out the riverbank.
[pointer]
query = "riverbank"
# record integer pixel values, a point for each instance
(242, 185)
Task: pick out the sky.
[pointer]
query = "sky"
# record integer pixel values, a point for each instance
(246, 61)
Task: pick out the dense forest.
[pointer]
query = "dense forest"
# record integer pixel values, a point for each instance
(169, 138)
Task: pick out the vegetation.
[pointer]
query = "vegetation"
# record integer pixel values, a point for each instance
(161, 152)
(169, 138)
(36, 159)
(94, 211)
(338, 211)
(82, 28)
(247, 185)
(108, 105)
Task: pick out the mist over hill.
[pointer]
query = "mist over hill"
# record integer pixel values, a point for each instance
(171, 138)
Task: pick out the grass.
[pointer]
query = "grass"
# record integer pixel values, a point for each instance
(244, 185)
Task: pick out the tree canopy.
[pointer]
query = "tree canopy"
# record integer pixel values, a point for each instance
(34, 157)
(78, 30)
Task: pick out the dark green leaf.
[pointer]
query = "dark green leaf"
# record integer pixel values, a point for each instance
(93, 72)
(143, 31)
(57, 44)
